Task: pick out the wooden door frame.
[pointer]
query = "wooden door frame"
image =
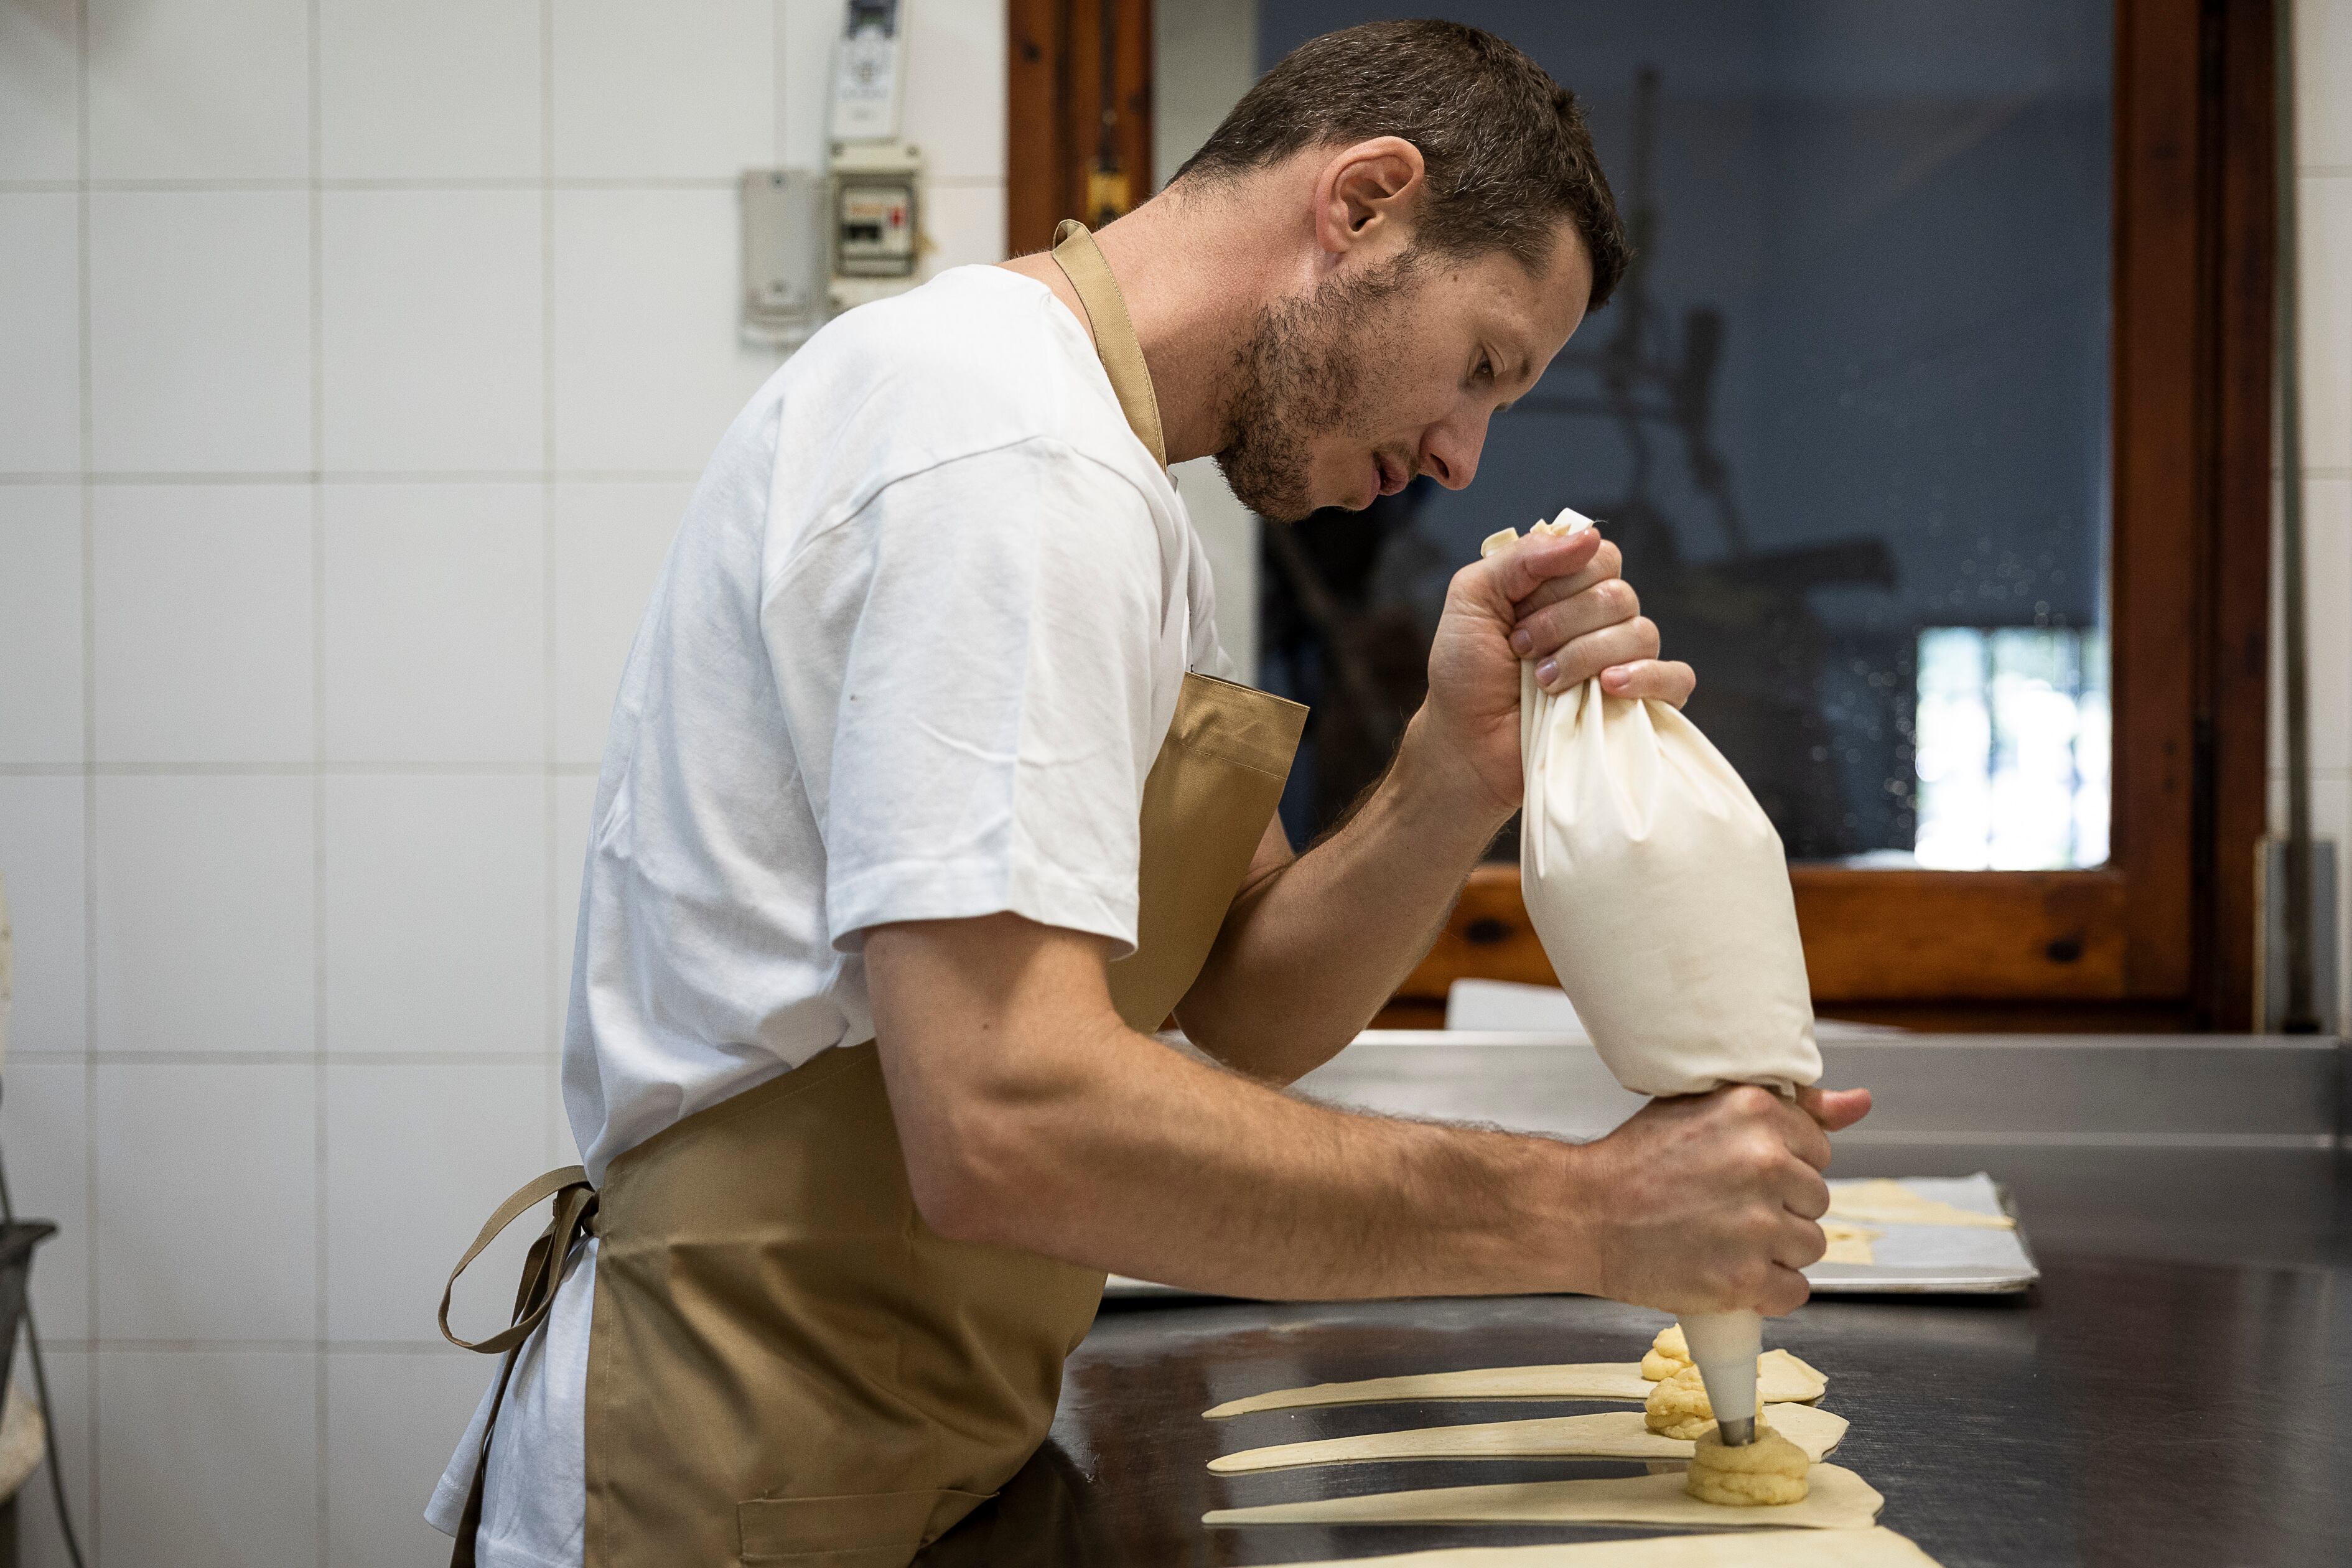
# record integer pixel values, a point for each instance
(2162, 936)
(1055, 126)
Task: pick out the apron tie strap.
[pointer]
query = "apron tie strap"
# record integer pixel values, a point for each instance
(575, 1205)
(542, 1271)
(1081, 261)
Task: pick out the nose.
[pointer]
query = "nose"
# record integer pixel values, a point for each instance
(1449, 453)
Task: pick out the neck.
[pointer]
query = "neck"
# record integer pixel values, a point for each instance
(1195, 270)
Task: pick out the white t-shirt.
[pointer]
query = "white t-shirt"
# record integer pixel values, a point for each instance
(914, 649)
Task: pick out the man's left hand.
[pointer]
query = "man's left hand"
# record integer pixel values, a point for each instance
(1561, 601)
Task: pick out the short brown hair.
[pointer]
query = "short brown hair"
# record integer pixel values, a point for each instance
(1504, 148)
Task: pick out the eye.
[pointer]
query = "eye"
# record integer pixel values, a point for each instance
(1486, 367)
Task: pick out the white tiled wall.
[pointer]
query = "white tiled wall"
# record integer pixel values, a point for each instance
(2324, 198)
(356, 360)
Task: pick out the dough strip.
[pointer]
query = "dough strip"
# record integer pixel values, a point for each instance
(1611, 1434)
(1839, 1499)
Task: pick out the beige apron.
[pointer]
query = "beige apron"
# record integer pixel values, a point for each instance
(785, 1364)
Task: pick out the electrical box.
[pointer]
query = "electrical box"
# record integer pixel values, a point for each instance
(786, 222)
(874, 209)
(817, 242)
(866, 73)
(877, 232)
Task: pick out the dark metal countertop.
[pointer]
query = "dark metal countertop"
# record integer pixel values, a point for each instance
(2177, 1391)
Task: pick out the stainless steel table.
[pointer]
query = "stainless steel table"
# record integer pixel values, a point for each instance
(2178, 1390)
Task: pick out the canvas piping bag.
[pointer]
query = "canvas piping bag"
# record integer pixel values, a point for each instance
(1659, 888)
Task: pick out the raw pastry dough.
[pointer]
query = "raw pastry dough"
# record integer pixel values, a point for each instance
(1840, 1501)
(1780, 1378)
(1581, 1380)
(1891, 1202)
(1678, 1407)
(1849, 1243)
(1611, 1434)
(1769, 1471)
(1667, 1354)
(1878, 1547)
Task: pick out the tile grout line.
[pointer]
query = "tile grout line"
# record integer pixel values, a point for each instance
(264, 184)
(779, 114)
(318, 786)
(551, 1070)
(780, 69)
(433, 1347)
(369, 477)
(375, 768)
(90, 1380)
(287, 1059)
(523, 183)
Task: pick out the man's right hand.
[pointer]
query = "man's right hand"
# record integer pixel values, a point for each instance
(1709, 1202)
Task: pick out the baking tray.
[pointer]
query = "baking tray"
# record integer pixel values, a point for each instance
(1929, 1259)
(1939, 1259)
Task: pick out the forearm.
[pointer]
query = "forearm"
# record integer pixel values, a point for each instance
(1312, 950)
(1117, 1152)
(1029, 1116)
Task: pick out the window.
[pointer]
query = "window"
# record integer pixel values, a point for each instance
(1935, 430)
(1854, 388)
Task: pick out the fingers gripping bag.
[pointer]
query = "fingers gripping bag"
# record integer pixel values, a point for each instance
(1659, 890)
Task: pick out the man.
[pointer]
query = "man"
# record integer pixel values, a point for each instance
(923, 733)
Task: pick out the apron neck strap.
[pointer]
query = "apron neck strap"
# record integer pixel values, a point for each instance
(1081, 261)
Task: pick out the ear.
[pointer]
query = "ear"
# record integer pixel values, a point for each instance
(1366, 195)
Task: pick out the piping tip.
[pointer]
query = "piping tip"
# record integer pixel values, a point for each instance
(1736, 1433)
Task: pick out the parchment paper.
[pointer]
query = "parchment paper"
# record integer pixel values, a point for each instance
(1984, 1251)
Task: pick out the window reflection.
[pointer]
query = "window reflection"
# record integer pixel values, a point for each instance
(1846, 419)
(2012, 749)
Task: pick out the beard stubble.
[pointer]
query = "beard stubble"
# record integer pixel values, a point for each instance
(1299, 376)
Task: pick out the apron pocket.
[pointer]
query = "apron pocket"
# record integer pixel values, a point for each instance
(870, 1529)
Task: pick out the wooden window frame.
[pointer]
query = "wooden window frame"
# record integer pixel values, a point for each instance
(2162, 936)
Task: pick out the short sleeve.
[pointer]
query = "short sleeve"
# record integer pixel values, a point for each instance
(995, 715)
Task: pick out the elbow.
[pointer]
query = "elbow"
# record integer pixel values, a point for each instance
(969, 1185)
(951, 1201)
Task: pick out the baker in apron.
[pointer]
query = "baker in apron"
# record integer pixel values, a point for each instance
(927, 720)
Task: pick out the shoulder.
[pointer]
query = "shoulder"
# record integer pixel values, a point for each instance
(980, 372)
(977, 357)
